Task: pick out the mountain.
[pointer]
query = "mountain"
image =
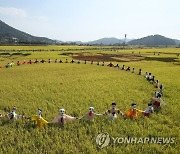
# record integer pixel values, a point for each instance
(73, 42)
(106, 41)
(9, 34)
(177, 42)
(154, 40)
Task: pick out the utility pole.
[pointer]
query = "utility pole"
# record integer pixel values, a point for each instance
(124, 41)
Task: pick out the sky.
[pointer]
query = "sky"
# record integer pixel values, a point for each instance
(87, 20)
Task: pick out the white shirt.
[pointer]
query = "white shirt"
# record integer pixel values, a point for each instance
(149, 109)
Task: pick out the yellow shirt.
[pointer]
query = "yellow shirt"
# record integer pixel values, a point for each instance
(39, 121)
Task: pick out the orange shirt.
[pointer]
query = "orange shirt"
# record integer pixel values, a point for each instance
(133, 113)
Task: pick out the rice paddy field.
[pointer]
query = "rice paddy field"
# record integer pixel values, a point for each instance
(76, 87)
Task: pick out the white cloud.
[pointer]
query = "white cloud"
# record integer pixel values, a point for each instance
(12, 12)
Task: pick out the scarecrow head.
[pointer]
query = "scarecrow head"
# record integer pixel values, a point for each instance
(62, 112)
(91, 109)
(113, 105)
(39, 113)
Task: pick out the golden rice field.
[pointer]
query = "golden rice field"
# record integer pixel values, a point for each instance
(76, 87)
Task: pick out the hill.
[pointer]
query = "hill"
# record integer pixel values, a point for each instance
(106, 41)
(9, 34)
(177, 42)
(154, 40)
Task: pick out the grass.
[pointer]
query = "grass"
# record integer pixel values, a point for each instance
(76, 87)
